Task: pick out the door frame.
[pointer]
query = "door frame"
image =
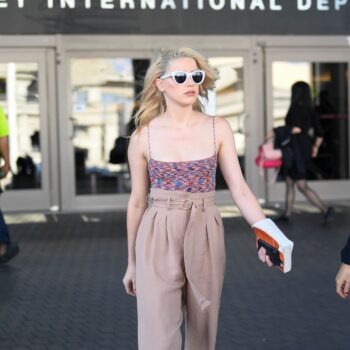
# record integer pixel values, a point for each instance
(328, 189)
(48, 195)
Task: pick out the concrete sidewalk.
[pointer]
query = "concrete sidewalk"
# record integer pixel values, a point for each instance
(64, 290)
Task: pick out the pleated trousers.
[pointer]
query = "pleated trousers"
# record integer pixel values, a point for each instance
(180, 267)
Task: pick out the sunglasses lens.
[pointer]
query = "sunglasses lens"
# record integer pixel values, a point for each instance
(197, 77)
(180, 77)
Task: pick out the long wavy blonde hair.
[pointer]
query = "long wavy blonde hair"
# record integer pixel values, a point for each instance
(152, 101)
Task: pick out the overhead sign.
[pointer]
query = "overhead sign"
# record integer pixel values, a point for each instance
(330, 17)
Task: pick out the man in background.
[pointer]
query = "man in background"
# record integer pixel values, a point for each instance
(8, 250)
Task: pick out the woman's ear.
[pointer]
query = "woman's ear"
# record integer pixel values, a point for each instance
(160, 85)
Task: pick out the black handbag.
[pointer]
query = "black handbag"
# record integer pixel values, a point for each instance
(118, 154)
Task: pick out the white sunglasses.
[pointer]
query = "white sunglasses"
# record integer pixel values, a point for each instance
(180, 77)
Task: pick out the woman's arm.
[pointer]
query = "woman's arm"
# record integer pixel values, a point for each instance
(231, 171)
(319, 132)
(139, 189)
(316, 146)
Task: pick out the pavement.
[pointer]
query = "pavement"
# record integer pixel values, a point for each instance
(64, 290)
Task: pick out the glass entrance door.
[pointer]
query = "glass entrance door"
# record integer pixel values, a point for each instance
(23, 99)
(328, 76)
(103, 93)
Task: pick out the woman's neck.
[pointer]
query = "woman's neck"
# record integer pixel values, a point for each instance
(177, 116)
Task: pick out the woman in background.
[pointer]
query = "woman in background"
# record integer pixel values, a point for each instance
(302, 119)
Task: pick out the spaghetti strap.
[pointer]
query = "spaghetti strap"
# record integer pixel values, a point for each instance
(214, 136)
(149, 143)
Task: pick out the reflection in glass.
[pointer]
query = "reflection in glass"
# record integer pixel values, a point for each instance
(19, 97)
(329, 86)
(104, 92)
(227, 100)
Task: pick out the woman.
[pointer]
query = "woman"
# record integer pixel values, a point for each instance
(176, 243)
(300, 119)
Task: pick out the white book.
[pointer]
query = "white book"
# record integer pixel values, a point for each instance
(267, 231)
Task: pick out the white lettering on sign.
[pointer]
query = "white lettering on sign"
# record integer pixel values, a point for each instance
(107, 4)
(339, 3)
(166, 3)
(213, 4)
(304, 5)
(131, 4)
(151, 4)
(274, 6)
(323, 5)
(257, 3)
(216, 5)
(69, 3)
(237, 4)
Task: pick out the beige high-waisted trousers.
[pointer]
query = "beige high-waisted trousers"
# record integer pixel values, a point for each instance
(180, 266)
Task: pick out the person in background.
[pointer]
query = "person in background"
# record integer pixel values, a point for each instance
(8, 250)
(343, 276)
(301, 118)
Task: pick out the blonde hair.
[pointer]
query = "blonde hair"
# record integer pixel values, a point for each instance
(152, 101)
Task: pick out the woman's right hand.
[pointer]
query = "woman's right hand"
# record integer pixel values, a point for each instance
(129, 280)
(296, 130)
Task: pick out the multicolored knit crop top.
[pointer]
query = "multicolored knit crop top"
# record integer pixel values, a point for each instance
(188, 176)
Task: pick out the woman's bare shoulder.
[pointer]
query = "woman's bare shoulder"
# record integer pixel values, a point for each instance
(222, 126)
(138, 139)
(156, 122)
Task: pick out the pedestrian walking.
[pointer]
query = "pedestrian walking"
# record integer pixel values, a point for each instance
(176, 249)
(301, 120)
(8, 249)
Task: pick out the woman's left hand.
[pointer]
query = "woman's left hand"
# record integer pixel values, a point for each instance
(264, 257)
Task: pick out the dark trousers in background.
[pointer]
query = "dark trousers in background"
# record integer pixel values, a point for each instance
(4, 233)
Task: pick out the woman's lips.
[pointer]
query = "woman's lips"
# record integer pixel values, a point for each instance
(190, 93)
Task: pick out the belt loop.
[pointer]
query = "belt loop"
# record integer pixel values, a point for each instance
(203, 202)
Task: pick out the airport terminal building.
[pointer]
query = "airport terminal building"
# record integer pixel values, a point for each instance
(71, 70)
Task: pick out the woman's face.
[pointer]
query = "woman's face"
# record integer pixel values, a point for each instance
(185, 94)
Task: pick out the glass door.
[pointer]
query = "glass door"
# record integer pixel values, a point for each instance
(23, 99)
(228, 101)
(328, 76)
(103, 91)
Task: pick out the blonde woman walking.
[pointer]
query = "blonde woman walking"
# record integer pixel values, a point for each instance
(176, 246)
